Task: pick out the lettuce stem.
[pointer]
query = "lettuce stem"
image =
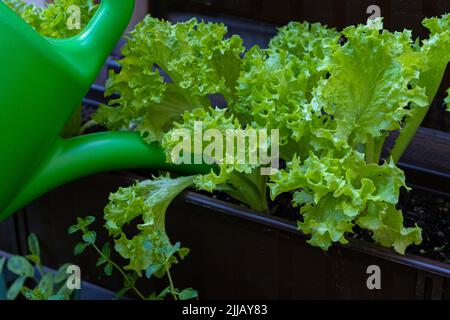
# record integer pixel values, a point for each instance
(251, 189)
(431, 81)
(370, 153)
(407, 133)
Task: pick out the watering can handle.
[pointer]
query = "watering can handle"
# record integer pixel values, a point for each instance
(88, 50)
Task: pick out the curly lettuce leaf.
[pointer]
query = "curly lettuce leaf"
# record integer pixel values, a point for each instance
(272, 90)
(145, 203)
(200, 121)
(51, 20)
(326, 222)
(437, 51)
(27, 11)
(346, 176)
(241, 180)
(335, 190)
(169, 69)
(311, 43)
(55, 15)
(275, 85)
(386, 223)
(372, 85)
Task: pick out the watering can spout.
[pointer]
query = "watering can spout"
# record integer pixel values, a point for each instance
(99, 152)
(88, 50)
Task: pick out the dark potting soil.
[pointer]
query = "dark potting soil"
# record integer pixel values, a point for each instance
(429, 211)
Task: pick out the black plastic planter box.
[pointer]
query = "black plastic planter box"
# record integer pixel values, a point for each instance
(237, 253)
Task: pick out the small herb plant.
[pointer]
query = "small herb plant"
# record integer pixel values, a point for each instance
(29, 269)
(157, 255)
(334, 96)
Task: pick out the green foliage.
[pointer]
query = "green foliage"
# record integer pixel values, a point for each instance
(20, 266)
(436, 49)
(334, 96)
(337, 190)
(241, 181)
(51, 20)
(150, 251)
(28, 269)
(368, 102)
(276, 84)
(28, 12)
(372, 88)
(311, 43)
(196, 58)
(273, 89)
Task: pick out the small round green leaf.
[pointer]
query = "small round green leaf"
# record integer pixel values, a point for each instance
(90, 237)
(15, 288)
(188, 293)
(73, 229)
(20, 266)
(33, 245)
(108, 269)
(79, 248)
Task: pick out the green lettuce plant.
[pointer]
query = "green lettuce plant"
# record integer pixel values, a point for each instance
(334, 96)
(51, 20)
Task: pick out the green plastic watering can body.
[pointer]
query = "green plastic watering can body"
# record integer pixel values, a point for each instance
(42, 81)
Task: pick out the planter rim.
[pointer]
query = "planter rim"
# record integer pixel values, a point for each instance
(421, 263)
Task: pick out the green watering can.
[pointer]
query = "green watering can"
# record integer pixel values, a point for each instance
(42, 81)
